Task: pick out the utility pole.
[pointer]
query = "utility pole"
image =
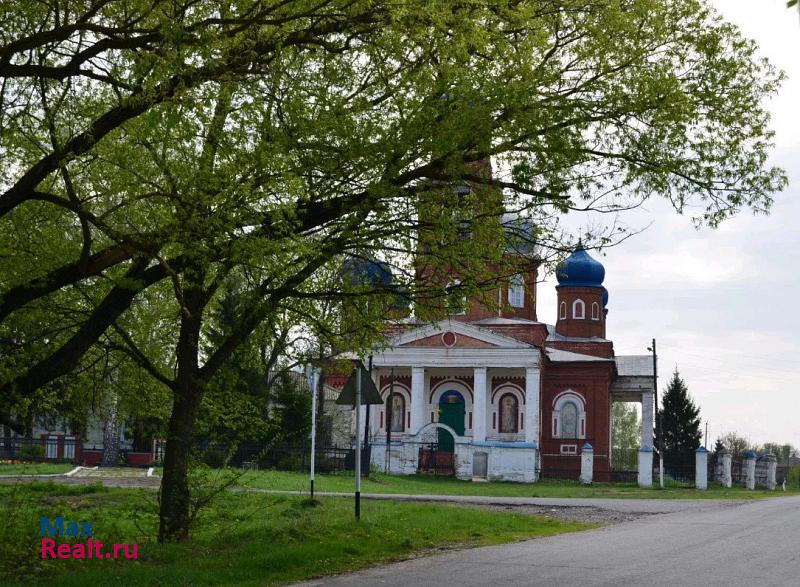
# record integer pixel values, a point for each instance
(705, 440)
(659, 421)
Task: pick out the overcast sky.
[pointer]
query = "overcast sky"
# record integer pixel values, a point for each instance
(724, 305)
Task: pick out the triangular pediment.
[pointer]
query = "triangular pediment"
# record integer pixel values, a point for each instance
(455, 334)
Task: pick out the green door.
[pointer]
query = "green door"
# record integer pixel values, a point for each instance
(451, 413)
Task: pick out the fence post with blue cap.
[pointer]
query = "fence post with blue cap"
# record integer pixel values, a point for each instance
(701, 468)
(587, 464)
(645, 466)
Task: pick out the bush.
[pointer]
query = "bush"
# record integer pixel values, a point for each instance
(793, 477)
(31, 452)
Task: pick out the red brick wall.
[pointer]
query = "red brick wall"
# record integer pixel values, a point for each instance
(591, 381)
(585, 327)
(603, 349)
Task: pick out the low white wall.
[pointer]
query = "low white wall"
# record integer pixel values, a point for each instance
(504, 463)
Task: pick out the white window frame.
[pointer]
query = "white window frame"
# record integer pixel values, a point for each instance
(561, 399)
(516, 291)
(562, 312)
(578, 304)
(595, 311)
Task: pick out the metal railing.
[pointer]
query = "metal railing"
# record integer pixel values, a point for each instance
(53, 448)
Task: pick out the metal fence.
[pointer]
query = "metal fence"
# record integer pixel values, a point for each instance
(284, 457)
(54, 448)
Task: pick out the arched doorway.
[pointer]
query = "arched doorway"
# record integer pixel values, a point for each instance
(451, 413)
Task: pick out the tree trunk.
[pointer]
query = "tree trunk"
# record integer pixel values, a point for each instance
(188, 388)
(175, 508)
(111, 436)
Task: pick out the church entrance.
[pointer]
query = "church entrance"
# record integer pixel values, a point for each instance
(451, 412)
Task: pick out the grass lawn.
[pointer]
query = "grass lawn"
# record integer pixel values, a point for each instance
(421, 484)
(242, 539)
(35, 468)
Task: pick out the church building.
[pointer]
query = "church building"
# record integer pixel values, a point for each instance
(495, 393)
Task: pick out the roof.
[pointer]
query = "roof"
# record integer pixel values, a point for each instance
(496, 320)
(635, 365)
(558, 356)
(552, 335)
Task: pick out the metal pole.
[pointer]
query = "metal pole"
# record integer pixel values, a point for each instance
(659, 420)
(366, 423)
(358, 443)
(389, 422)
(313, 430)
(313, 377)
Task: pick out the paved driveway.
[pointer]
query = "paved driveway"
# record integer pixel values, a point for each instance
(755, 543)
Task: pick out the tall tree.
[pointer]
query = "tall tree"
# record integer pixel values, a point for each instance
(626, 428)
(680, 421)
(157, 153)
(735, 443)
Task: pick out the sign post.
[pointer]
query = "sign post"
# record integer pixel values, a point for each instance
(313, 381)
(358, 446)
(358, 391)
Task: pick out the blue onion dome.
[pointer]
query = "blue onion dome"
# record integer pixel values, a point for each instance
(605, 298)
(367, 271)
(580, 270)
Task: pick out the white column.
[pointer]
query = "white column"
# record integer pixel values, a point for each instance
(727, 477)
(772, 466)
(417, 399)
(701, 468)
(750, 469)
(587, 464)
(479, 406)
(532, 405)
(646, 466)
(647, 418)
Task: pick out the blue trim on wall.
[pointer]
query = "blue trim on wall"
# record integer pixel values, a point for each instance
(506, 444)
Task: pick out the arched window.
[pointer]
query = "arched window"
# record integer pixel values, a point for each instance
(569, 420)
(595, 311)
(509, 413)
(569, 416)
(562, 312)
(516, 291)
(396, 412)
(578, 310)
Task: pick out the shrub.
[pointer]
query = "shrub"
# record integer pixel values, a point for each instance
(31, 452)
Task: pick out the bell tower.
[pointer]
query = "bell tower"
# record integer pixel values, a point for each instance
(582, 299)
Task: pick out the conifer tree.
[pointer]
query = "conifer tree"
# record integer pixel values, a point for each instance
(680, 419)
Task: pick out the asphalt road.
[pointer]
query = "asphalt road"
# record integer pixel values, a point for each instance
(755, 543)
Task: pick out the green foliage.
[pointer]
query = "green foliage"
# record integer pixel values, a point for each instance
(303, 539)
(735, 444)
(680, 424)
(32, 452)
(625, 426)
(782, 451)
(159, 157)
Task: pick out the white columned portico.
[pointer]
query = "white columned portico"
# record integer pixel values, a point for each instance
(532, 405)
(418, 402)
(647, 418)
(479, 405)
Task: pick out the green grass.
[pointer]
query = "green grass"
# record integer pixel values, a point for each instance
(423, 484)
(243, 538)
(35, 468)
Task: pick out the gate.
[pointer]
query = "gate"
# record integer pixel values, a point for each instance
(434, 461)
